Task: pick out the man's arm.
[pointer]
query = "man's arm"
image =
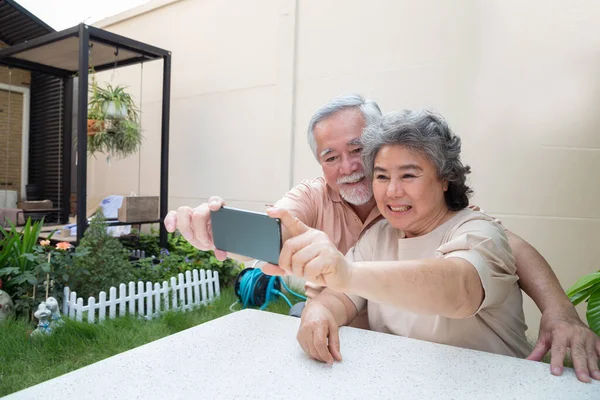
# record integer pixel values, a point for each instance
(560, 327)
(536, 278)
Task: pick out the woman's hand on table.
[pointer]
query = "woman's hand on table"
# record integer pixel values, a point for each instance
(318, 334)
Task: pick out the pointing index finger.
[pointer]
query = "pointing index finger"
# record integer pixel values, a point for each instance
(292, 224)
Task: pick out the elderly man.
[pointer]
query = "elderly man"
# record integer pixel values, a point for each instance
(341, 204)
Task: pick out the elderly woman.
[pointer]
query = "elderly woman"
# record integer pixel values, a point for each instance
(433, 269)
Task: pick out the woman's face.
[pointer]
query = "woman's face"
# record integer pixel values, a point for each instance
(408, 191)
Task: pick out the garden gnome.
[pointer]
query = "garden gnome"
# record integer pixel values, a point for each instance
(55, 319)
(6, 304)
(43, 315)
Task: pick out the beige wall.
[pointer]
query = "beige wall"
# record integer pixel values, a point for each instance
(223, 105)
(517, 80)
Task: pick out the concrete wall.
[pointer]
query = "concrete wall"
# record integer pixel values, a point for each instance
(517, 80)
(219, 149)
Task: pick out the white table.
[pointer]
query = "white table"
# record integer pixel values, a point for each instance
(254, 354)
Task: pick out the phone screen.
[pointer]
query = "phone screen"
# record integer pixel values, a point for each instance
(247, 233)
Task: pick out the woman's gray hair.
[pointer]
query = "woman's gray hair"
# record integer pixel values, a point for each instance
(369, 109)
(427, 133)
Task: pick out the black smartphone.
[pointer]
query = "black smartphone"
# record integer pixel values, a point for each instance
(247, 233)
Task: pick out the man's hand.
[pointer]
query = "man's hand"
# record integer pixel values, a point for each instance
(559, 331)
(309, 254)
(318, 334)
(194, 225)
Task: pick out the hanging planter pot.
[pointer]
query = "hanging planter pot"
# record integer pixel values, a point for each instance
(114, 110)
(113, 102)
(94, 126)
(95, 122)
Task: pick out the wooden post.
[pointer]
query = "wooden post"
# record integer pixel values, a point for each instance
(48, 276)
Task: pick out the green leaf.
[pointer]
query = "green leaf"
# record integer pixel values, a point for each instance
(582, 295)
(65, 277)
(32, 280)
(46, 267)
(8, 270)
(81, 251)
(583, 283)
(29, 256)
(593, 311)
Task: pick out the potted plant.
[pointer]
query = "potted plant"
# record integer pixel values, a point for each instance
(95, 122)
(121, 141)
(587, 288)
(95, 119)
(113, 101)
(116, 130)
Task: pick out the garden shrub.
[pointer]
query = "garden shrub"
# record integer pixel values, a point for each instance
(105, 265)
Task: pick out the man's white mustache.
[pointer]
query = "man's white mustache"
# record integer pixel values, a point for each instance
(351, 178)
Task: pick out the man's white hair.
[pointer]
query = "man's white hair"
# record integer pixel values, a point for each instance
(369, 109)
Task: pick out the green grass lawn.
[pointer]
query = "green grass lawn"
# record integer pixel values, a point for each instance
(25, 362)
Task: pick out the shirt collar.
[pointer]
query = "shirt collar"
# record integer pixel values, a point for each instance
(333, 195)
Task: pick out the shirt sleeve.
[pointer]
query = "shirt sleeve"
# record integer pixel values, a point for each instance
(485, 245)
(496, 220)
(300, 202)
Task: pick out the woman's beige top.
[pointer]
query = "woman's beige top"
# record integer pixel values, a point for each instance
(498, 326)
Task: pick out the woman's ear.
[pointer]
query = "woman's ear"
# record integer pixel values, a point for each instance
(445, 185)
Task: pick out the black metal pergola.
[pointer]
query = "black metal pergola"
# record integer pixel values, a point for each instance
(68, 52)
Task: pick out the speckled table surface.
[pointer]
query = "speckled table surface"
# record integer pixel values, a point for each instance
(254, 354)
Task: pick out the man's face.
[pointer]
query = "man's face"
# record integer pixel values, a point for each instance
(338, 150)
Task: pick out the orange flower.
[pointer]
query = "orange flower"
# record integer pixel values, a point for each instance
(45, 242)
(63, 245)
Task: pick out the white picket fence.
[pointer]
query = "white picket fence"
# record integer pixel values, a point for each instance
(197, 287)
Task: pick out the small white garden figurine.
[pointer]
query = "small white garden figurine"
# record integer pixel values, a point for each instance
(43, 314)
(55, 319)
(6, 305)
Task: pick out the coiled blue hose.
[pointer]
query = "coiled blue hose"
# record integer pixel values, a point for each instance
(248, 286)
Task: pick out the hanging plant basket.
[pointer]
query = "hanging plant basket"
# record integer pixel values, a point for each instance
(123, 140)
(94, 126)
(118, 132)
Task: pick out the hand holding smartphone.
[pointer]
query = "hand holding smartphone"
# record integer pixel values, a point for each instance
(247, 233)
